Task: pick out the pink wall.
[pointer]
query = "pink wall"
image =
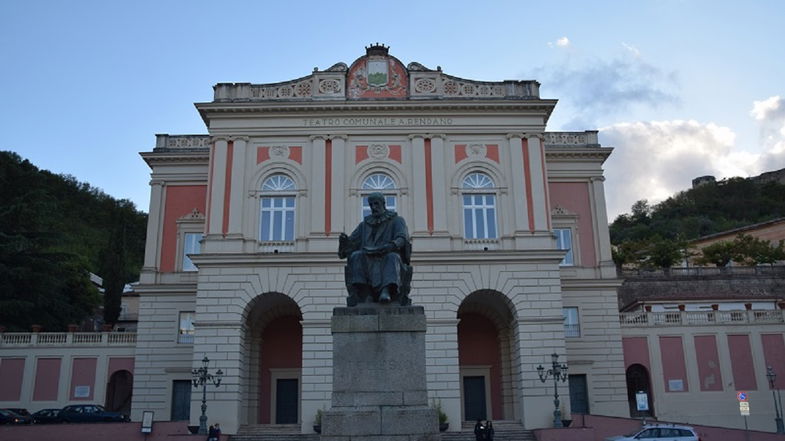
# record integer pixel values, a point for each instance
(478, 344)
(574, 196)
(708, 362)
(180, 200)
(83, 374)
(636, 351)
(741, 362)
(47, 379)
(774, 353)
(673, 366)
(120, 364)
(11, 374)
(282, 343)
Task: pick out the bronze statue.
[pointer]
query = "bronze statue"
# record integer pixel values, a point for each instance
(379, 252)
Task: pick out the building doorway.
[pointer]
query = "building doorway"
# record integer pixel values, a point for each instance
(474, 402)
(118, 392)
(638, 383)
(287, 392)
(181, 400)
(579, 395)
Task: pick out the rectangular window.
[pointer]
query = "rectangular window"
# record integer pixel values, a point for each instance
(191, 245)
(564, 242)
(277, 219)
(185, 334)
(479, 216)
(572, 324)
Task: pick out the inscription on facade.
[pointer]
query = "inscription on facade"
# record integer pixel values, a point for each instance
(376, 122)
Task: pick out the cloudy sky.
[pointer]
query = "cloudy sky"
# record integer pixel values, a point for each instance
(680, 88)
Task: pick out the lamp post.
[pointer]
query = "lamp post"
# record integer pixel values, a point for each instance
(559, 373)
(772, 376)
(201, 377)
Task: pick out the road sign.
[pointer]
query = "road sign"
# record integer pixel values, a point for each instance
(742, 396)
(744, 408)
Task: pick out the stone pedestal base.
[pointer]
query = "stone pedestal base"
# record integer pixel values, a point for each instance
(379, 387)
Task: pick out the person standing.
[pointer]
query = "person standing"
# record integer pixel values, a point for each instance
(211, 433)
(479, 431)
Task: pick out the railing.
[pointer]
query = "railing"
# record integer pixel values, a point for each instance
(703, 271)
(700, 318)
(20, 339)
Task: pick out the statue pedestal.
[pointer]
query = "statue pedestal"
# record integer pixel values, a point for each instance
(379, 387)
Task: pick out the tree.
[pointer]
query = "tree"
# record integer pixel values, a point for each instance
(719, 253)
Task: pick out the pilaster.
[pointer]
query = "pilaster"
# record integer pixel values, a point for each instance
(420, 215)
(154, 229)
(518, 174)
(236, 198)
(601, 232)
(216, 186)
(439, 180)
(317, 196)
(538, 179)
(338, 173)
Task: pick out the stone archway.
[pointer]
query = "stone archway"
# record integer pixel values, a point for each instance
(118, 392)
(485, 350)
(638, 380)
(274, 361)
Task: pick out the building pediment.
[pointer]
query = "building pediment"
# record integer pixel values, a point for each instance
(377, 75)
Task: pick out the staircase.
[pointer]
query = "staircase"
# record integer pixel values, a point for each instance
(502, 431)
(273, 432)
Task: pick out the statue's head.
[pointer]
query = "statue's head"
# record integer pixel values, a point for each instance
(377, 203)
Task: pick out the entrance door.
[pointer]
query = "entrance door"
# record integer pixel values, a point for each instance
(474, 398)
(181, 400)
(579, 394)
(286, 400)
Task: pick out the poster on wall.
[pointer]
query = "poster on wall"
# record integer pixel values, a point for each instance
(82, 392)
(642, 401)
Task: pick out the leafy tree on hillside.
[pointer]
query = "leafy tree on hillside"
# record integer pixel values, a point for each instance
(53, 233)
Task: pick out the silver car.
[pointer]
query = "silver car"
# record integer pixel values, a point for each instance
(659, 432)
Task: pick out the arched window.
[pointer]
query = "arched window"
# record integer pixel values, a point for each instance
(277, 209)
(479, 207)
(379, 183)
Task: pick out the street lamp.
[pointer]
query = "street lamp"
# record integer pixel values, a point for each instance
(200, 378)
(559, 373)
(772, 376)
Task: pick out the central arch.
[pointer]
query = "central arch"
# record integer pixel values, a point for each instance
(274, 365)
(486, 338)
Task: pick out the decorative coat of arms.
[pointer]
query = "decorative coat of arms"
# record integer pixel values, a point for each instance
(377, 76)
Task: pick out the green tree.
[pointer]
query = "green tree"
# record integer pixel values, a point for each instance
(719, 253)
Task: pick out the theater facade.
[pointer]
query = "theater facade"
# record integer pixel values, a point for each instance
(511, 253)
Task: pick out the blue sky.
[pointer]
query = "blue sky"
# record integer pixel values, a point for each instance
(680, 88)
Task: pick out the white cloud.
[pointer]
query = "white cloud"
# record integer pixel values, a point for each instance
(597, 88)
(654, 160)
(770, 115)
(770, 108)
(632, 49)
(562, 42)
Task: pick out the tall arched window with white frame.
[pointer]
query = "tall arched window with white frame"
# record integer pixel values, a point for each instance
(479, 206)
(277, 209)
(379, 183)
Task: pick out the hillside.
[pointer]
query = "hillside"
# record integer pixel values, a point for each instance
(53, 231)
(705, 209)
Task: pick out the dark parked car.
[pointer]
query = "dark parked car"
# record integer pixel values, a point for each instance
(89, 413)
(46, 416)
(8, 416)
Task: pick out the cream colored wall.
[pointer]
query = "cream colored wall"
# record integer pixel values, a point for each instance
(713, 408)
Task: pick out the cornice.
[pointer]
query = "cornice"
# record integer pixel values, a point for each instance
(178, 156)
(578, 153)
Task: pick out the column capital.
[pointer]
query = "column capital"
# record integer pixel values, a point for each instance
(436, 135)
(597, 178)
(413, 136)
(538, 135)
(239, 138)
(313, 138)
(158, 182)
(338, 136)
(214, 139)
(519, 135)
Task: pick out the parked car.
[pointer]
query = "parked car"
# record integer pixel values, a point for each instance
(90, 413)
(659, 432)
(46, 416)
(8, 416)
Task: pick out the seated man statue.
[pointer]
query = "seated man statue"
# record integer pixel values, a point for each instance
(379, 252)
